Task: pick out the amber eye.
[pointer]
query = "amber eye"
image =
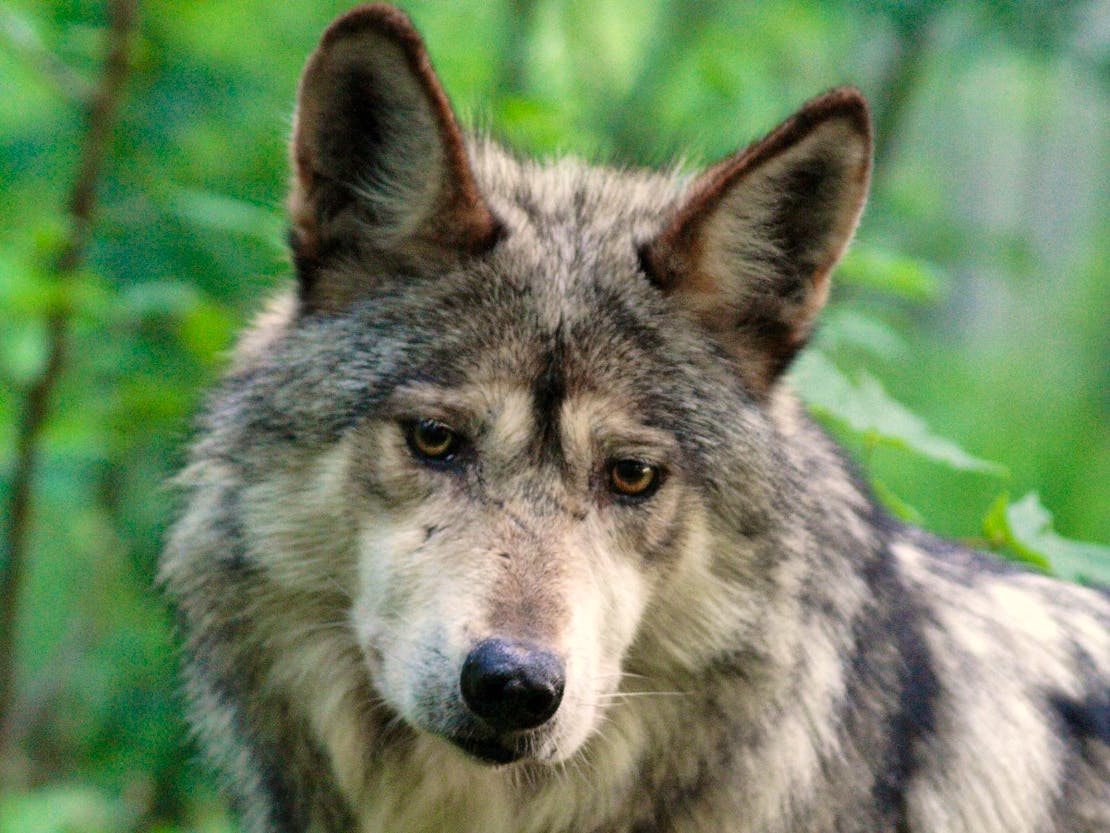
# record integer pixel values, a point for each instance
(433, 441)
(633, 478)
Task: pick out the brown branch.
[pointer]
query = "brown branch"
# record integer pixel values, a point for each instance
(103, 106)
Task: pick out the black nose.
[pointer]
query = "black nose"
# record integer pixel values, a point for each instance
(512, 685)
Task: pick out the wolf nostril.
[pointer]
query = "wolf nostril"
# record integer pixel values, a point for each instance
(512, 685)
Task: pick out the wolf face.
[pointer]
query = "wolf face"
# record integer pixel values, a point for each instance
(533, 374)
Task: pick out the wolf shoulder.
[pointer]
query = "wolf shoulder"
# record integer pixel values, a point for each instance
(1021, 721)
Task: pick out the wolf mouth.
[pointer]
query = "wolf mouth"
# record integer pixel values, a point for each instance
(487, 750)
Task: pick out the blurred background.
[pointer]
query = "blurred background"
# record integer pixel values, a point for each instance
(965, 356)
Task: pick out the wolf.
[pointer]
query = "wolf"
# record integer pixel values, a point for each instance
(504, 520)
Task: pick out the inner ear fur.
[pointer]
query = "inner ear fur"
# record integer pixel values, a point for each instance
(750, 249)
(379, 162)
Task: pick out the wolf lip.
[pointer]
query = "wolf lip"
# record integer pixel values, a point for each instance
(488, 751)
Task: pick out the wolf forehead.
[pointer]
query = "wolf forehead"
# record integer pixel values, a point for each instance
(567, 222)
(565, 272)
(560, 305)
(568, 245)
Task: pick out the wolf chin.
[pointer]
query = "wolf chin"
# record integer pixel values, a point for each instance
(504, 520)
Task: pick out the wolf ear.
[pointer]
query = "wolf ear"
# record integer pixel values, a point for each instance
(750, 250)
(379, 163)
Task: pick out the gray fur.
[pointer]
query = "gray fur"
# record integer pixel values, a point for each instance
(755, 647)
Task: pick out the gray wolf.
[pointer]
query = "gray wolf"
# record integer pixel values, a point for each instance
(504, 519)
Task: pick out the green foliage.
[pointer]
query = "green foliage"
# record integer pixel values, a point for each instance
(73, 808)
(976, 292)
(866, 416)
(66, 808)
(886, 271)
(877, 419)
(1025, 529)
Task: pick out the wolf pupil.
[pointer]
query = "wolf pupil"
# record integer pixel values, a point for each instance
(633, 478)
(432, 440)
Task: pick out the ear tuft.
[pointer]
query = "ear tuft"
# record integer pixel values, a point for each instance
(750, 250)
(379, 161)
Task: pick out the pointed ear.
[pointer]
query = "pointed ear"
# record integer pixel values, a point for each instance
(379, 164)
(750, 250)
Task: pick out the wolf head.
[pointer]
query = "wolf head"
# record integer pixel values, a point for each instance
(517, 424)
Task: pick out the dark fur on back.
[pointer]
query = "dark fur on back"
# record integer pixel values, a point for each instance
(746, 643)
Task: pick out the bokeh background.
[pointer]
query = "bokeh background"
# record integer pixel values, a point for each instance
(965, 357)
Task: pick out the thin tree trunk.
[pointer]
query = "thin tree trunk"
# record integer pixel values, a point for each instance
(898, 90)
(35, 413)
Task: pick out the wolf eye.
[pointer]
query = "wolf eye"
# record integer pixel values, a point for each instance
(634, 478)
(432, 441)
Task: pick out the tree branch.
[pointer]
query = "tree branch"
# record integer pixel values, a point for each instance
(103, 106)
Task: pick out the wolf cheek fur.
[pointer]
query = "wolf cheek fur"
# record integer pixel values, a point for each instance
(512, 478)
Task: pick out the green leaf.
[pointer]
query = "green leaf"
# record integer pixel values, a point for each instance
(206, 331)
(173, 299)
(878, 268)
(1026, 528)
(23, 350)
(996, 526)
(844, 327)
(61, 809)
(228, 214)
(867, 410)
(30, 290)
(26, 290)
(895, 504)
(48, 237)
